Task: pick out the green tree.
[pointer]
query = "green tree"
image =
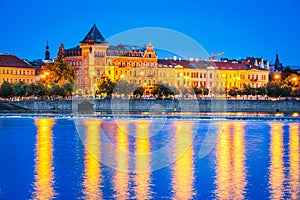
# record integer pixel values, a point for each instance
(285, 91)
(273, 89)
(6, 90)
(292, 80)
(233, 92)
(123, 87)
(205, 91)
(40, 90)
(60, 72)
(262, 91)
(161, 90)
(138, 92)
(56, 91)
(68, 87)
(106, 86)
(198, 91)
(248, 90)
(32, 89)
(287, 72)
(20, 89)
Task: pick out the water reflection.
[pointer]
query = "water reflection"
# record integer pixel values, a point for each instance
(44, 177)
(183, 172)
(230, 159)
(142, 150)
(92, 171)
(294, 161)
(121, 178)
(276, 177)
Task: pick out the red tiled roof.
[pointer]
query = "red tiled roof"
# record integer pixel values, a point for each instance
(235, 66)
(13, 61)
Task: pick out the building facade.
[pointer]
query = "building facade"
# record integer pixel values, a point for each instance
(94, 59)
(14, 70)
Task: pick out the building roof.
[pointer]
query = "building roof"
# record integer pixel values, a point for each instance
(93, 35)
(13, 61)
(205, 64)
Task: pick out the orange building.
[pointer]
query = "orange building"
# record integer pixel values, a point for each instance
(94, 59)
(14, 70)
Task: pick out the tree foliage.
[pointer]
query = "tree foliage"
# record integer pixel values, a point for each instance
(60, 72)
(6, 90)
(161, 90)
(106, 86)
(139, 91)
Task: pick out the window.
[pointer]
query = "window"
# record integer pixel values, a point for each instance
(210, 75)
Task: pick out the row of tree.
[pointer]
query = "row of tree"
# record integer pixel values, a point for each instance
(57, 81)
(108, 88)
(285, 88)
(39, 90)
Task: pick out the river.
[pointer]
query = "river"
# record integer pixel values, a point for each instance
(129, 158)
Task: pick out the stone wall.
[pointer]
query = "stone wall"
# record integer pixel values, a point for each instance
(118, 105)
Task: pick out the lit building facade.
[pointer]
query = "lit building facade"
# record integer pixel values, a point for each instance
(94, 59)
(14, 70)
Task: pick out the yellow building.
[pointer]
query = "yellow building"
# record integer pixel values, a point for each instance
(136, 66)
(94, 59)
(239, 75)
(14, 70)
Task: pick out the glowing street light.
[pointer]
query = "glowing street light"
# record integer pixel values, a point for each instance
(277, 77)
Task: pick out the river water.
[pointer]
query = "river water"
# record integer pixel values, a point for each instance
(106, 158)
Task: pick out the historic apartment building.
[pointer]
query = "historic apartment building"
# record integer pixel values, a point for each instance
(94, 59)
(14, 70)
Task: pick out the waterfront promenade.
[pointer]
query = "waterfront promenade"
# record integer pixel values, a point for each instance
(167, 105)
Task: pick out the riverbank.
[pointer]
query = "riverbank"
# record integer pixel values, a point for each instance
(139, 106)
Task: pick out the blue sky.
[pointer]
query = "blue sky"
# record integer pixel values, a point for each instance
(239, 28)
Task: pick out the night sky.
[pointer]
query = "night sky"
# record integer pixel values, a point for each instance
(239, 28)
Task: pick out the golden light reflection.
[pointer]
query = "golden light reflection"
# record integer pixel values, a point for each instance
(44, 179)
(183, 176)
(142, 178)
(239, 174)
(92, 171)
(294, 160)
(276, 177)
(223, 171)
(121, 179)
(230, 156)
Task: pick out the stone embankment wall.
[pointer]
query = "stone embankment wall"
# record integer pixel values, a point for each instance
(67, 106)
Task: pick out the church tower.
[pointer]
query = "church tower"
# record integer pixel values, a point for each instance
(47, 53)
(93, 48)
(277, 64)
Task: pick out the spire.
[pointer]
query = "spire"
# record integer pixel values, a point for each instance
(47, 53)
(93, 36)
(277, 63)
(61, 51)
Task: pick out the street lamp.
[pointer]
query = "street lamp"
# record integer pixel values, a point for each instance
(276, 77)
(43, 75)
